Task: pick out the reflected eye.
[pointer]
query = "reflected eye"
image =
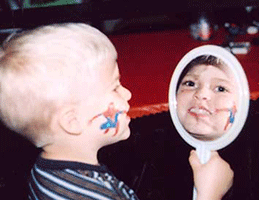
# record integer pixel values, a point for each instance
(188, 83)
(221, 89)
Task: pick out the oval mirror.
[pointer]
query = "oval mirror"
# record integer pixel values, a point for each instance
(208, 98)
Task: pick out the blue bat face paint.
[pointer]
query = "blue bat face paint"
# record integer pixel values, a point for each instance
(111, 115)
(111, 123)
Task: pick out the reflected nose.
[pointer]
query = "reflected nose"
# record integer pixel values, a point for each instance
(202, 94)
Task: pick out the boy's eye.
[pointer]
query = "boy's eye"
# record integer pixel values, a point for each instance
(221, 89)
(189, 83)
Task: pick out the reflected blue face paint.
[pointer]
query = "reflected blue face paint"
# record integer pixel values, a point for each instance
(232, 112)
(231, 116)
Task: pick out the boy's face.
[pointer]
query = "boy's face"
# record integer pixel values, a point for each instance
(206, 98)
(108, 106)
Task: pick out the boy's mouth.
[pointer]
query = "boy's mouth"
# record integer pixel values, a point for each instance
(127, 114)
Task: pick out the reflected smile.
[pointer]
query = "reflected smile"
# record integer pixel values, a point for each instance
(199, 111)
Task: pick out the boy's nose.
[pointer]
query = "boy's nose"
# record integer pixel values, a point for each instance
(127, 94)
(202, 94)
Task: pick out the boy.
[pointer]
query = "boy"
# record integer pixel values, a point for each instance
(207, 98)
(60, 89)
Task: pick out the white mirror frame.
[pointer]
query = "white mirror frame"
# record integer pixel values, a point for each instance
(243, 96)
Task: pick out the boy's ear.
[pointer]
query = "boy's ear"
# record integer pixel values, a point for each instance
(69, 121)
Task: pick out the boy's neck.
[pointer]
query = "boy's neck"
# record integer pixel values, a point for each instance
(67, 154)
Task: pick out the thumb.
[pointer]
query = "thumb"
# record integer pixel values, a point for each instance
(194, 160)
(214, 154)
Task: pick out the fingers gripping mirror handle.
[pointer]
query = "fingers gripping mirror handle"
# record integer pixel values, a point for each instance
(204, 156)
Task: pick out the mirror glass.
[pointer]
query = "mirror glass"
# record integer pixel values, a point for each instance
(209, 97)
(206, 98)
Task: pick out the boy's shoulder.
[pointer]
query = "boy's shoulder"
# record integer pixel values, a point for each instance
(77, 180)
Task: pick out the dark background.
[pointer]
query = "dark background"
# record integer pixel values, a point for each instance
(175, 13)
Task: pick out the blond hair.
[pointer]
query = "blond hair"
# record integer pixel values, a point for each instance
(46, 67)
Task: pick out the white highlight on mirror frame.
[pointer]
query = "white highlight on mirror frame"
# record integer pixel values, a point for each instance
(243, 95)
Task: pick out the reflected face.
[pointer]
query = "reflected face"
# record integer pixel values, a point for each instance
(207, 101)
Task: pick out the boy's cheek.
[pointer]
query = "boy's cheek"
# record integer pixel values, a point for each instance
(108, 119)
(95, 122)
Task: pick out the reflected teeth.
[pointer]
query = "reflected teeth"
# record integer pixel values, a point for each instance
(199, 111)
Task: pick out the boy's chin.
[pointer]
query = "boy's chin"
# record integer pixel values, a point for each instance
(120, 136)
(117, 138)
(124, 134)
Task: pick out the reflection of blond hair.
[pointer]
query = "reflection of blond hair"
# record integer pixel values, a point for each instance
(46, 67)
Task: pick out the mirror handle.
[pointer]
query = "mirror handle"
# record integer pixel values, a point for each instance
(204, 156)
(203, 153)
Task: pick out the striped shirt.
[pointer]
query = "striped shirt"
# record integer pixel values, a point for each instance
(64, 180)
